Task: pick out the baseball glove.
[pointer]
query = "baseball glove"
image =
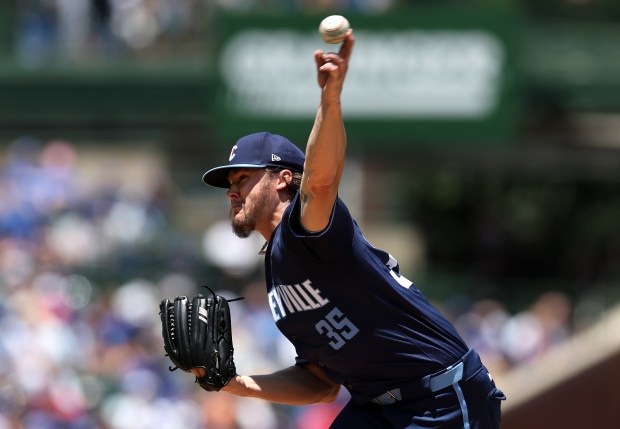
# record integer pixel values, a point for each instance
(197, 334)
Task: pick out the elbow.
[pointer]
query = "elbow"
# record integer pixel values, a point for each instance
(330, 394)
(324, 182)
(319, 187)
(324, 390)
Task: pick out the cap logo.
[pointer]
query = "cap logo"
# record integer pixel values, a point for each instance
(233, 152)
(275, 157)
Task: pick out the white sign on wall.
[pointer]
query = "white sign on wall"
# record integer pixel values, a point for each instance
(404, 74)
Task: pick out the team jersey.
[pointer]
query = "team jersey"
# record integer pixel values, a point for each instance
(345, 307)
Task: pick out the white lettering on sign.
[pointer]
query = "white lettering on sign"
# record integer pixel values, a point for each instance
(393, 74)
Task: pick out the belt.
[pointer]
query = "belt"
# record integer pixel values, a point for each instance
(431, 383)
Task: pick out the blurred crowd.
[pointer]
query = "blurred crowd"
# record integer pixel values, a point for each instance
(505, 340)
(80, 336)
(80, 341)
(91, 31)
(78, 31)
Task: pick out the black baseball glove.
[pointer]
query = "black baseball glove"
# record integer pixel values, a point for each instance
(197, 334)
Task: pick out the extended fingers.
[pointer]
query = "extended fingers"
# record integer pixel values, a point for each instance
(334, 65)
(341, 58)
(347, 45)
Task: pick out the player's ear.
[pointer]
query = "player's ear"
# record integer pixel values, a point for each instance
(284, 178)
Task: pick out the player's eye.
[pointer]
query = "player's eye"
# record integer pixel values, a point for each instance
(238, 180)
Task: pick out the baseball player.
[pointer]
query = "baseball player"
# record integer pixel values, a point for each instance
(354, 320)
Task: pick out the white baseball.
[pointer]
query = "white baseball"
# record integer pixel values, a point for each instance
(333, 28)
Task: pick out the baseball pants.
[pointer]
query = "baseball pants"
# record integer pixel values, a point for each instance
(474, 402)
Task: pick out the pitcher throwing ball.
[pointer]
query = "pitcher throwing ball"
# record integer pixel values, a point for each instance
(354, 320)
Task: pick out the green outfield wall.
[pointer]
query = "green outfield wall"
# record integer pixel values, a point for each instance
(460, 76)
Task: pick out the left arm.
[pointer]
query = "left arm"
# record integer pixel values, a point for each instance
(295, 385)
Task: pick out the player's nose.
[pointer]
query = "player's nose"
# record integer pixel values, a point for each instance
(232, 192)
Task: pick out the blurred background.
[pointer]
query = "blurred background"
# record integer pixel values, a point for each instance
(484, 154)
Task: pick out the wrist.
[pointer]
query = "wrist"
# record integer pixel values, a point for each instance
(235, 385)
(328, 105)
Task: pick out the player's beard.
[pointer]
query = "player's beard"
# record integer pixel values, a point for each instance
(245, 224)
(243, 227)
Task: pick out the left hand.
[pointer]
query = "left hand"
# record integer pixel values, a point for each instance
(199, 372)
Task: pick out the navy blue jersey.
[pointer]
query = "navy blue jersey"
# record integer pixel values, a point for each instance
(344, 306)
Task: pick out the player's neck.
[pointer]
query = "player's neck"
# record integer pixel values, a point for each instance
(267, 229)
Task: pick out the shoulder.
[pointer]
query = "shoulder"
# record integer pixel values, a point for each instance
(332, 243)
(339, 219)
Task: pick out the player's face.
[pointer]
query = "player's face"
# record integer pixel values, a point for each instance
(250, 194)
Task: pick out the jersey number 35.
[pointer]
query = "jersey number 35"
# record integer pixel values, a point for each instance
(337, 327)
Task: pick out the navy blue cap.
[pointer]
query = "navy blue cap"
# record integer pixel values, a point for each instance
(257, 150)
